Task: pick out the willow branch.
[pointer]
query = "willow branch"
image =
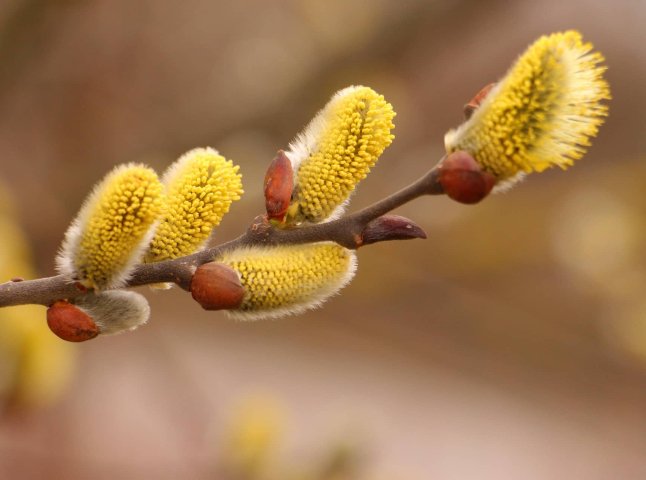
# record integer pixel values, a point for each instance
(346, 231)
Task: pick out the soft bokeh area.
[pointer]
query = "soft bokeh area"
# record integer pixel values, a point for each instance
(509, 344)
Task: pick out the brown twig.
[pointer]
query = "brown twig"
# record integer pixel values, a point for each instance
(346, 231)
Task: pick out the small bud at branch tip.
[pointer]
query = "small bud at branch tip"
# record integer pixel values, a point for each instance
(390, 227)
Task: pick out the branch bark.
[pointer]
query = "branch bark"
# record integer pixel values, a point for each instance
(346, 231)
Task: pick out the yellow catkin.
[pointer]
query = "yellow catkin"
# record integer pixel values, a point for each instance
(200, 188)
(113, 228)
(289, 279)
(253, 434)
(336, 151)
(542, 113)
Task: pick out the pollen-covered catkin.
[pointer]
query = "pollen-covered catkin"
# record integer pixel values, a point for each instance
(336, 151)
(542, 113)
(200, 187)
(289, 279)
(113, 228)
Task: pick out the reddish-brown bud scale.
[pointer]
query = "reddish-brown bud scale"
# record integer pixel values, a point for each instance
(475, 102)
(216, 287)
(70, 323)
(279, 184)
(463, 179)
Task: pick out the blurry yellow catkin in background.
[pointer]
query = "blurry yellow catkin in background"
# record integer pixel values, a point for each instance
(35, 365)
(252, 438)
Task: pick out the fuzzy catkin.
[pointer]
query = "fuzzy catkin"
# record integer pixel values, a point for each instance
(289, 279)
(200, 187)
(336, 151)
(113, 228)
(542, 113)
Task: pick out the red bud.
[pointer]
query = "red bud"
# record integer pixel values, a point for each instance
(463, 179)
(216, 287)
(279, 184)
(70, 323)
(475, 102)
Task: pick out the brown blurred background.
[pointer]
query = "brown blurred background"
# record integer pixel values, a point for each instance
(510, 344)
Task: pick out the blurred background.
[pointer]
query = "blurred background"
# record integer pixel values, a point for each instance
(510, 344)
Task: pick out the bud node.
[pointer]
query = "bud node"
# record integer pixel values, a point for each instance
(216, 287)
(70, 323)
(463, 179)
